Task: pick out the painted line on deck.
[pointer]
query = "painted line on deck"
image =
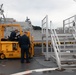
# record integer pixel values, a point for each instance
(36, 70)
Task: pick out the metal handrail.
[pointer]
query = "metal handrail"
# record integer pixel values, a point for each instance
(45, 23)
(57, 37)
(56, 40)
(69, 21)
(55, 48)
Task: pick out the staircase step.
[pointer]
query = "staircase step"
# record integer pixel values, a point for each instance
(68, 53)
(67, 49)
(67, 40)
(68, 44)
(69, 65)
(68, 59)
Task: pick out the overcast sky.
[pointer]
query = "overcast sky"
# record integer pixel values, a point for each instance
(36, 10)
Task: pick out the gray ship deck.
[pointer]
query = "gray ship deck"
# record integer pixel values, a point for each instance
(38, 66)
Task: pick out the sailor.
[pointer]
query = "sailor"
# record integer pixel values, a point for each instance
(73, 23)
(13, 36)
(24, 43)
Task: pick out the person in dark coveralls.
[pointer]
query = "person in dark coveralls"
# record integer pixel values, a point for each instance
(24, 43)
(12, 36)
(73, 23)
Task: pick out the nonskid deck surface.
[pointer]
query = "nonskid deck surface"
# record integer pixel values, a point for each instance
(38, 66)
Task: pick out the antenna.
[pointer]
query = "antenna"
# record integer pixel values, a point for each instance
(1, 6)
(2, 11)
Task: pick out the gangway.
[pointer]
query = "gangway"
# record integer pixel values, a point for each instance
(67, 46)
(64, 44)
(55, 43)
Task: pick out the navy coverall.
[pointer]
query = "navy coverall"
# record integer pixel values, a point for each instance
(24, 44)
(12, 36)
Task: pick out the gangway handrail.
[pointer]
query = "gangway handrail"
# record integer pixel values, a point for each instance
(54, 46)
(69, 21)
(70, 17)
(45, 23)
(55, 39)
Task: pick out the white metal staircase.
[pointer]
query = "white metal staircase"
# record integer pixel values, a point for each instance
(64, 45)
(68, 51)
(65, 49)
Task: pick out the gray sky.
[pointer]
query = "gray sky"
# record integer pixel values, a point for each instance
(36, 10)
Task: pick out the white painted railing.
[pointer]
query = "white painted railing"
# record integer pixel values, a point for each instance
(55, 41)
